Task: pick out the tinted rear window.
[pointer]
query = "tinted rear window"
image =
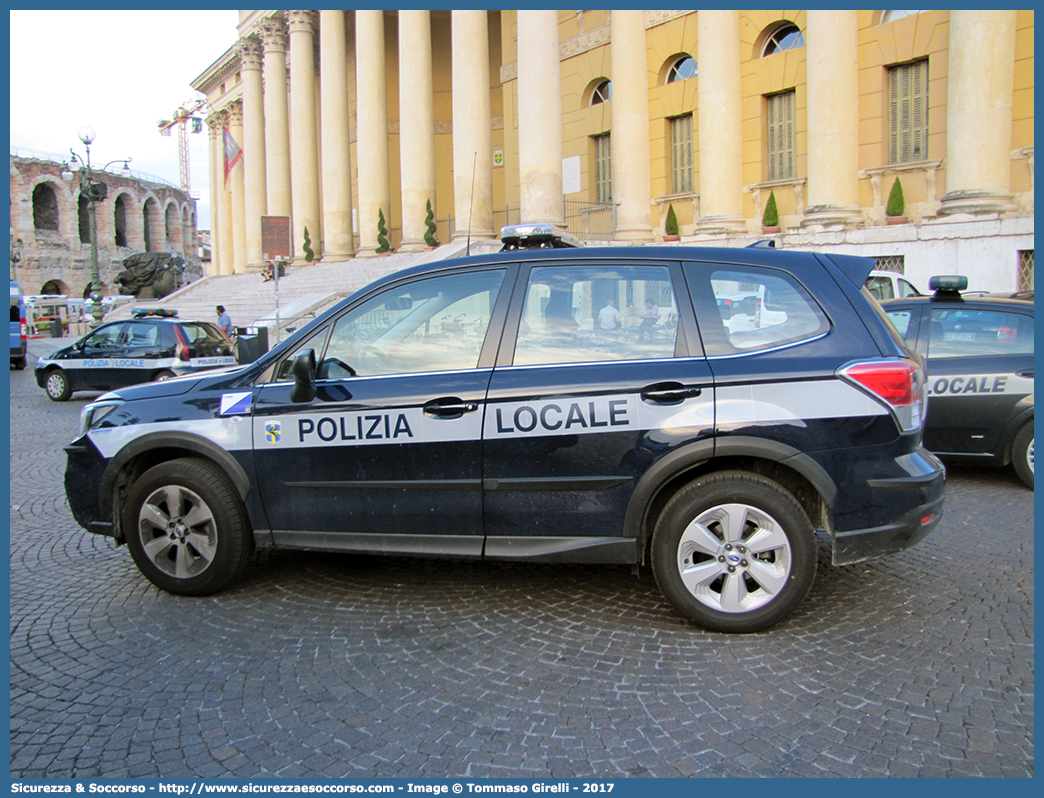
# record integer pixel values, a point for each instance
(207, 339)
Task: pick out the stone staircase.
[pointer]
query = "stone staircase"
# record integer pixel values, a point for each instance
(304, 291)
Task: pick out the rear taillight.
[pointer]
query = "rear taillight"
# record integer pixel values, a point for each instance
(897, 382)
(182, 351)
(25, 329)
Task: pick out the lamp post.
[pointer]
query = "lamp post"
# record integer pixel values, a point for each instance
(93, 191)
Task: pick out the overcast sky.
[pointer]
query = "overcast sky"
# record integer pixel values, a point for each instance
(119, 72)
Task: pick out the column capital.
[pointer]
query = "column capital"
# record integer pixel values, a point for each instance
(250, 53)
(273, 36)
(234, 113)
(301, 21)
(214, 124)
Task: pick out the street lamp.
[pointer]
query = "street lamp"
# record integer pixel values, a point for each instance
(93, 191)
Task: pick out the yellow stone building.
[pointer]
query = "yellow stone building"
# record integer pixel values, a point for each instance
(601, 121)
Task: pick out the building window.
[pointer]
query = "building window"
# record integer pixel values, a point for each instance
(892, 16)
(603, 169)
(681, 154)
(780, 111)
(1025, 269)
(683, 68)
(45, 208)
(84, 218)
(602, 93)
(120, 221)
(908, 112)
(891, 263)
(787, 36)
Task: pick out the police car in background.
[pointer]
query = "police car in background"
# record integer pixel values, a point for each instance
(979, 354)
(153, 345)
(476, 408)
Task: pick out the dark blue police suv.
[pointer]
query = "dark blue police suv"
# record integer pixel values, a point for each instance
(701, 411)
(978, 351)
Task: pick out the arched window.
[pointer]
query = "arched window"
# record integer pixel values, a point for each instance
(84, 218)
(120, 220)
(683, 67)
(602, 93)
(45, 208)
(787, 36)
(892, 16)
(149, 212)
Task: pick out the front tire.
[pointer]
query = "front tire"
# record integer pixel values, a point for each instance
(734, 552)
(186, 528)
(1022, 454)
(57, 386)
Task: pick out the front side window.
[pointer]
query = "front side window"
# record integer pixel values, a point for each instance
(908, 112)
(976, 333)
(597, 314)
(105, 339)
(780, 111)
(434, 324)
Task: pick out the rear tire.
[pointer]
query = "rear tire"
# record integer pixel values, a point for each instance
(165, 374)
(186, 527)
(734, 552)
(57, 386)
(1022, 454)
(19, 363)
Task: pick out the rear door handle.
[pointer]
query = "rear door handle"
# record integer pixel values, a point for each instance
(669, 393)
(449, 407)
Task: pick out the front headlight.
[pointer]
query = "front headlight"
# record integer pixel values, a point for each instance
(93, 414)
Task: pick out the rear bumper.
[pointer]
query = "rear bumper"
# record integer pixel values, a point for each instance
(917, 495)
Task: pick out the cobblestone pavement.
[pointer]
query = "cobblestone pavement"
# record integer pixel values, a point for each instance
(920, 664)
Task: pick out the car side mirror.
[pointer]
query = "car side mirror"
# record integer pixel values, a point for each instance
(303, 370)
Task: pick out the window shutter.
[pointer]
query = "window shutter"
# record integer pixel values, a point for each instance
(908, 112)
(781, 135)
(681, 154)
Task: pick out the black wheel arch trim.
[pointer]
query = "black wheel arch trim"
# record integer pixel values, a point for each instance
(697, 454)
(173, 439)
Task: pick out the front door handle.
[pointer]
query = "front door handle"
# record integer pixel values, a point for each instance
(669, 393)
(449, 407)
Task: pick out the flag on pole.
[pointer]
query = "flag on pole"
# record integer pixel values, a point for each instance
(233, 152)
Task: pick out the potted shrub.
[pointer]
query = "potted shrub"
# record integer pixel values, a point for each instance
(382, 234)
(309, 255)
(896, 209)
(770, 218)
(429, 235)
(670, 226)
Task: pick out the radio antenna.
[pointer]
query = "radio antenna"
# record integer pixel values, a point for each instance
(471, 204)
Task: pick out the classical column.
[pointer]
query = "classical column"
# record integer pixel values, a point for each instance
(372, 138)
(833, 118)
(416, 126)
(216, 179)
(540, 118)
(277, 127)
(979, 95)
(221, 236)
(720, 123)
(472, 137)
(255, 199)
(236, 183)
(338, 243)
(630, 136)
(304, 154)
